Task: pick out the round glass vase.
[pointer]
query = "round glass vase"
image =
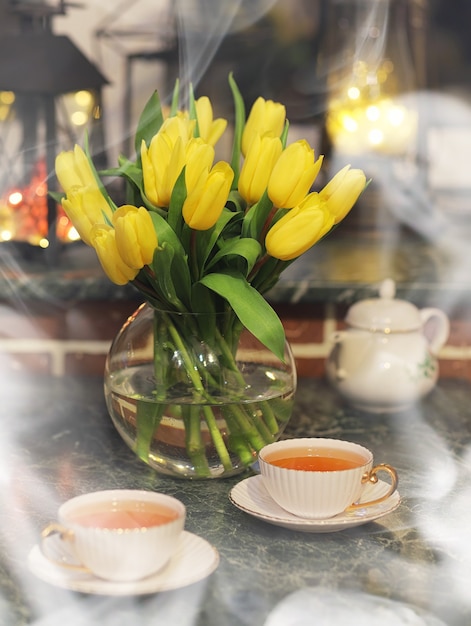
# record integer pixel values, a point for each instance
(194, 395)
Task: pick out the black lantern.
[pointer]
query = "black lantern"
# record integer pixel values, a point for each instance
(40, 73)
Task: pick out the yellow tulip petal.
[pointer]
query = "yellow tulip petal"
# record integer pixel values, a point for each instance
(210, 130)
(299, 230)
(199, 160)
(66, 173)
(204, 205)
(104, 241)
(293, 175)
(342, 191)
(136, 239)
(257, 167)
(164, 160)
(266, 117)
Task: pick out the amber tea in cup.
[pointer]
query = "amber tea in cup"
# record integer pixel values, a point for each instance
(319, 478)
(328, 460)
(123, 514)
(119, 535)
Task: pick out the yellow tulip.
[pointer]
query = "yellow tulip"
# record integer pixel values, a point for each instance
(136, 239)
(178, 126)
(84, 208)
(206, 200)
(342, 191)
(299, 229)
(210, 129)
(104, 241)
(84, 203)
(199, 159)
(265, 117)
(258, 166)
(293, 175)
(163, 161)
(74, 170)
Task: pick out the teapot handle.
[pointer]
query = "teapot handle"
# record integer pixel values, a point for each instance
(334, 356)
(436, 328)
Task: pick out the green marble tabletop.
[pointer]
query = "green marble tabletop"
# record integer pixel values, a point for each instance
(412, 566)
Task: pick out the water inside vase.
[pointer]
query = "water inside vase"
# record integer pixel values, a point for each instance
(245, 422)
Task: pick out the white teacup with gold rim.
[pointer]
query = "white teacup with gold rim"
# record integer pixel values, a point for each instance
(318, 478)
(119, 535)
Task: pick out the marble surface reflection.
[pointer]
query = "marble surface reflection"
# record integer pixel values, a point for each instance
(413, 564)
(343, 268)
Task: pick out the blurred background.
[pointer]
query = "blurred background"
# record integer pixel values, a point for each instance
(383, 84)
(380, 84)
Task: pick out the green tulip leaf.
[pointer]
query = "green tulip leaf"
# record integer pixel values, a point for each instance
(130, 171)
(175, 99)
(203, 304)
(256, 217)
(135, 193)
(239, 109)
(175, 217)
(235, 202)
(58, 196)
(192, 111)
(149, 123)
(179, 266)
(163, 262)
(251, 308)
(284, 135)
(268, 274)
(207, 240)
(248, 250)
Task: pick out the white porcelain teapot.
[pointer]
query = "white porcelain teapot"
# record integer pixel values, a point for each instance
(386, 359)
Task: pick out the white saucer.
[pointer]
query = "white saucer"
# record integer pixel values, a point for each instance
(194, 560)
(251, 496)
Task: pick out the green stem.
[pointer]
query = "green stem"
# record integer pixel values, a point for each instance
(217, 438)
(148, 417)
(258, 265)
(281, 409)
(229, 358)
(267, 224)
(149, 413)
(237, 440)
(193, 256)
(269, 417)
(262, 428)
(199, 387)
(190, 369)
(193, 440)
(239, 446)
(249, 429)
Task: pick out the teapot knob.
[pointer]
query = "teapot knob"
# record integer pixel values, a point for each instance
(387, 289)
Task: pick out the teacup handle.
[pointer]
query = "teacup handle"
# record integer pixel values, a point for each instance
(372, 477)
(65, 534)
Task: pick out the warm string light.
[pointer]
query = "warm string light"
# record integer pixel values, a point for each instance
(23, 211)
(363, 117)
(80, 107)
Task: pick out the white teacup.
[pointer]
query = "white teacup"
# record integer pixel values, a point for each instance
(319, 478)
(119, 535)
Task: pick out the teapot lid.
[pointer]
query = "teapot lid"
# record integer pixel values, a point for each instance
(384, 314)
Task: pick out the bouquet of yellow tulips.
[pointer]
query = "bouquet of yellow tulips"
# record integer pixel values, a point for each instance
(202, 237)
